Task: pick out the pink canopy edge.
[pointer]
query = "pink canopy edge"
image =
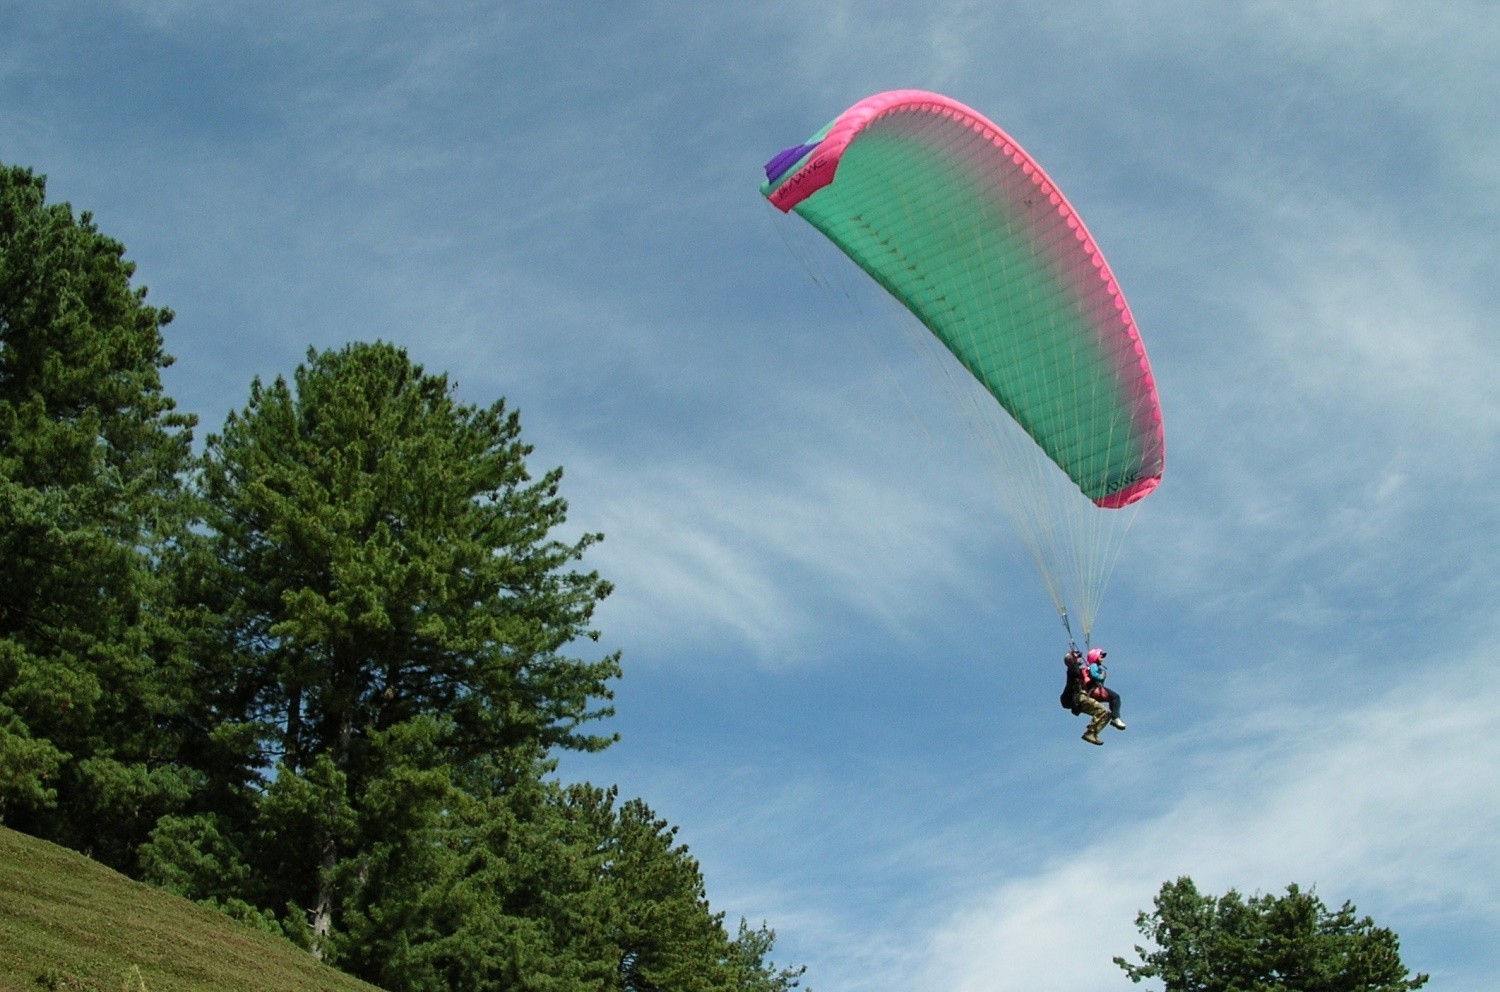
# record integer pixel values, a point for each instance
(819, 169)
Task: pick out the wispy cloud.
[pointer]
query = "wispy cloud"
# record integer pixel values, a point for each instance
(803, 516)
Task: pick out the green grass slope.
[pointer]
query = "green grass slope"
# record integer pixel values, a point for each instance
(70, 925)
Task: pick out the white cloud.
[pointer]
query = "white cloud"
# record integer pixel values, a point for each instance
(1383, 799)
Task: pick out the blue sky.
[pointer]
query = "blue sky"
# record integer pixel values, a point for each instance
(840, 671)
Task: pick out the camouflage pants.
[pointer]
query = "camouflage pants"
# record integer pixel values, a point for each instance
(1097, 711)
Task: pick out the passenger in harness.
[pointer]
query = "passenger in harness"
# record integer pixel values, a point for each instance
(1094, 675)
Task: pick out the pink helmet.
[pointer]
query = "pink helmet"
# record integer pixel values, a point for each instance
(1096, 654)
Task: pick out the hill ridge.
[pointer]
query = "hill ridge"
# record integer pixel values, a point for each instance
(70, 924)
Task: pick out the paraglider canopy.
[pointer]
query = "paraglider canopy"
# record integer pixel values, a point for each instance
(961, 225)
(948, 214)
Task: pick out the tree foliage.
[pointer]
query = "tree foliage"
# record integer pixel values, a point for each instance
(544, 887)
(92, 500)
(380, 553)
(1264, 943)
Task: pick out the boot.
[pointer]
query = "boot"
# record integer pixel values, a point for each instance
(1092, 737)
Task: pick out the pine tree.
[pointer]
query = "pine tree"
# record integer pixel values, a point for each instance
(542, 887)
(381, 554)
(92, 502)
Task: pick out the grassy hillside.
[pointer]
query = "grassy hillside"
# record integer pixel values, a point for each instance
(71, 925)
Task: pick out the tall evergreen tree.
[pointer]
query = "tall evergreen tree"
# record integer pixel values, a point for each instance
(92, 460)
(1266, 943)
(384, 555)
